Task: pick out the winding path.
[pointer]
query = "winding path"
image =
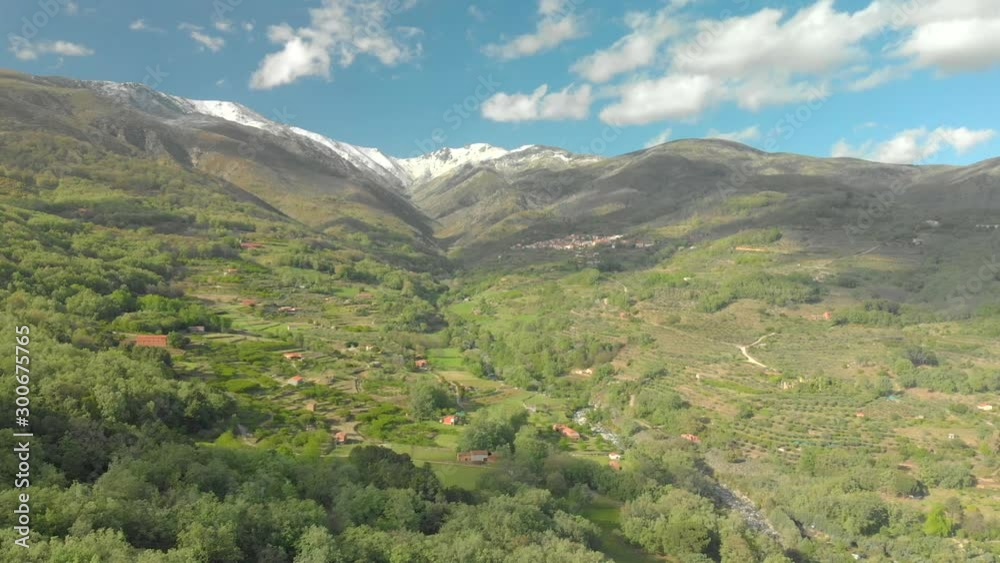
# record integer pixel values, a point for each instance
(746, 351)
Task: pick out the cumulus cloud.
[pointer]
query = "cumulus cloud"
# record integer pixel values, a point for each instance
(671, 97)
(635, 50)
(339, 31)
(31, 50)
(769, 57)
(915, 145)
(568, 103)
(955, 45)
(557, 24)
(743, 136)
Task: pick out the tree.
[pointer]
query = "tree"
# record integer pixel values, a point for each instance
(937, 523)
(426, 398)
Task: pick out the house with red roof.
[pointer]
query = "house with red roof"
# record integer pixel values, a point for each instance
(295, 381)
(151, 340)
(292, 355)
(566, 431)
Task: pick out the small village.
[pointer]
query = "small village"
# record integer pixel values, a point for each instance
(582, 241)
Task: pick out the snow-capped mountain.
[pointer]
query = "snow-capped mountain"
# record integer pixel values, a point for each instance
(444, 161)
(402, 174)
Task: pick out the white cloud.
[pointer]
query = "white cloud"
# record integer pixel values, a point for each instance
(72, 8)
(815, 39)
(247, 26)
(635, 50)
(955, 45)
(476, 13)
(29, 51)
(568, 103)
(769, 57)
(878, 77)
(337, 33)
(225, 26)
(915, 145)
(745, 135)
(671, 97)
(212, 43)
(663, 137)
(142, 25)
(558, 24)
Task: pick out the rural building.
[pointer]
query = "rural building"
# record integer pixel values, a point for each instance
(615, 465)
(197, 328)
(859, 414)
(229, 271)
(451, 420)
(311, 406)
(614, 456)
(248, 303)
(288, 309)
(566, 431)
(422, 364)
(477, 456)
(292, 355)
(295, 381)
(251, 245)
(691, 438)
(340, 437)
(151, 340)
(986, 407)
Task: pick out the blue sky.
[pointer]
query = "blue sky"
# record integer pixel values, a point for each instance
(892, 80)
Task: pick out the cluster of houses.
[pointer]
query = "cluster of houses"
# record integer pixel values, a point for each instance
(251, 245)
(581, 241)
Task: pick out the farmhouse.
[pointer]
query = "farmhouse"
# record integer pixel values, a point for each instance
(477, 456)
(566, 431)
(614, 456)
(691, 438)
(311, 406)
(422, 364)
(295, 381)
(292, 356)
(197, 328)
(985, 407)
(451, 420)
(288, 309)
(340, 437)
(251, 245)
(151, 340)
(230, 271)
(248, 303)
(615, 465)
